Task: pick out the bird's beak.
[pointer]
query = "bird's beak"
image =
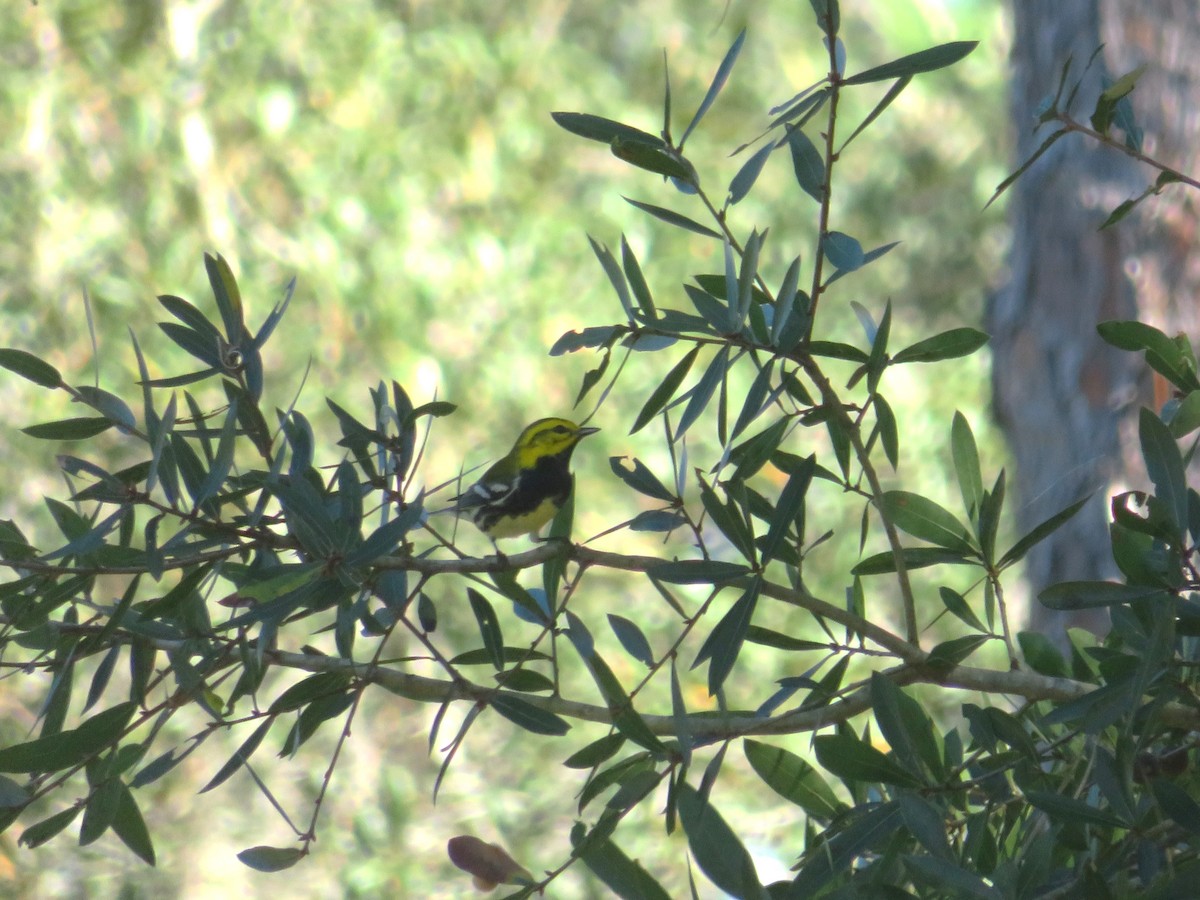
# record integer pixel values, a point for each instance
(584, 432)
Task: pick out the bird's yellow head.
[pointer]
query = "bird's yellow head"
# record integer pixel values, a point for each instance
(548, 437)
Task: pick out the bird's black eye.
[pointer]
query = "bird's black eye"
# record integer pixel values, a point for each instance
(561, 429)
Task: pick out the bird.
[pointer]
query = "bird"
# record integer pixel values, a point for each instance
(527, 487)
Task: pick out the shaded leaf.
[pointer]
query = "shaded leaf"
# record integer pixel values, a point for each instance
(716, 847)
(641, 479)
(924, 519)
(1164, 465)
(525, 715)
(673, 218)
(271, 859)
(950, 879)
(632, 638)
(914, 558)
(744, 180)
(847, 757)
(915, 63)
(948, 345)
(844, 252)
(807, 163)
(697, 571)
(76, 429)
(595, 336)
(623, 876)
(1069, 595)
(68, 748)
(30, 367)
(793, 779)
(662, 394)
(598, 128)
(724, 642)
(596, 752)
(1040, 532)
(718, 82)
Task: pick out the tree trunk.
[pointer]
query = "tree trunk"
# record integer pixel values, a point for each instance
(1065, 399)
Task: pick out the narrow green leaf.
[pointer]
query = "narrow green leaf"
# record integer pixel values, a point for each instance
(927, 823)
(76, 429)
(1070, 811)
(924, 519)
(744, 180)
(948, 345)
(703, 391)
(966, 465)
(524, 714)
(845, 756)
(1164, 465)
(807, 163)
(130, 827)
(30, 367)
(948, 654)
(109, 405)
(625, 717)
(957, 604)
(595, 336)
(665, 391)
(271, 859)
(915, 63)
(905, 726)
(1034, 157)
(754, 404)
(914, 558)
(789, 507)
(950, 879)
(793, 779)
(673, 218)
(632, 639)
(623, 876)
(1040, 532)
(68, 748)
(697, 571)
(718, 82)
(1071, 595)
(725, 641)
(99, 811)
(637, 280)
(40, 832)
(308, 689)
(489, 627)
(596, 752)
(1171, 359)
(615, 276)
(598, 128)
(240, 756)
(655, 159)
(892, 93)
(641, 479)
(716, 847)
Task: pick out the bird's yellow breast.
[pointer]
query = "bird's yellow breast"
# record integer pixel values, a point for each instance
(513, 526)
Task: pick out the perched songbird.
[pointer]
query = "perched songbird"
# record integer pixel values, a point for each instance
(523, 491)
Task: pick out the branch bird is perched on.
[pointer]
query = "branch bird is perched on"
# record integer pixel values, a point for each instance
(523, 491)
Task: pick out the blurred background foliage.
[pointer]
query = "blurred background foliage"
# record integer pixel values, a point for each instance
(398, 159)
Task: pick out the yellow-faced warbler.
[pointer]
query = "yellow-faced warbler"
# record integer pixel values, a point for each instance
(523, 491)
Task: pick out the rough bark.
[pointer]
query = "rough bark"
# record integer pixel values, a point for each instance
(1064, 398)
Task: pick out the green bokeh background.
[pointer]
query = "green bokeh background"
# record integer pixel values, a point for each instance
(399, 160)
